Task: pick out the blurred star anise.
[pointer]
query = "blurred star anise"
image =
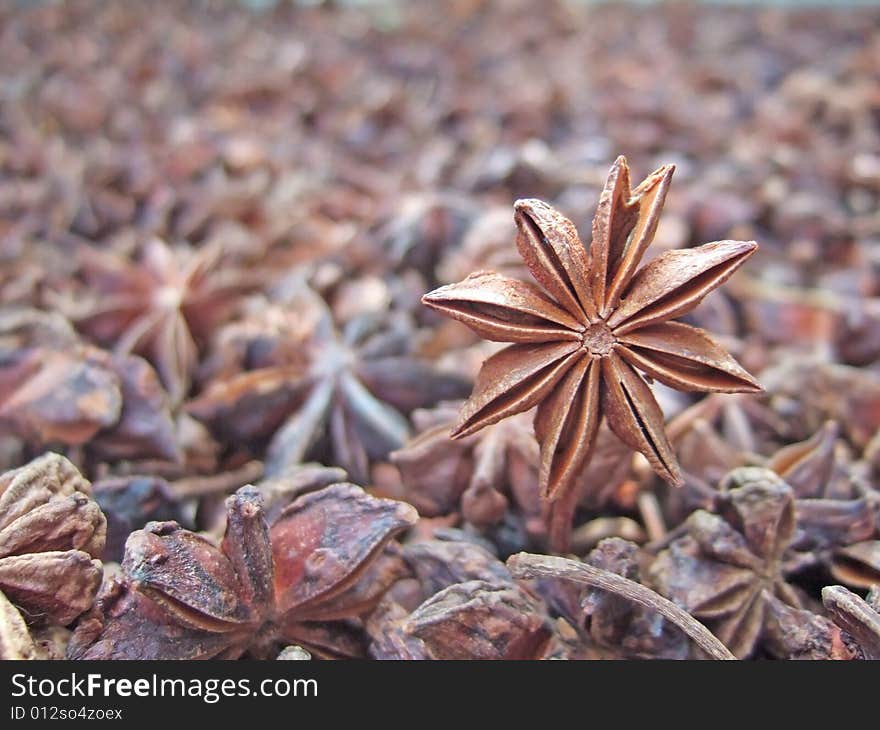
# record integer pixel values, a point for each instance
(726, 567)
(56, 390)
(161, 306)
(50, 532)
(830, 505)
(461, 604)
(580, 340)
(181, 597)
(349, 394)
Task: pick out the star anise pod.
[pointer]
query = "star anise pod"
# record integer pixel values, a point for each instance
(64, 396)
(857, 564)
(476, 475)
(726, 566)
(349, 396)
(50, 532)
(181, 597)
(462, 604)
(15, 639)
(860, 618)
(579, 340)
(56, 390)
(619, 624)
(720, 432)
(830, 504)
(161, 307)
(806, 393)
(796, 633)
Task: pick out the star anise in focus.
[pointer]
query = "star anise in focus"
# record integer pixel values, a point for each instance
(727, 566)
(579, 340)
(347, 398)
(50, 532)
(181, 597)
(161, 306)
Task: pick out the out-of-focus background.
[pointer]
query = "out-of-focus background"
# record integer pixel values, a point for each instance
(297, 130)
(374, 150)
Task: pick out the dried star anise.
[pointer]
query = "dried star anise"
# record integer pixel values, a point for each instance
(55, 390)
(15, 639)
(479, 620)
(830, 504)
(181, 597)
(719, 432)
(462, 604)
(160, 307)
(352, 392)
(580, 340)
(476, 475)
(50, 532)
(617, 623)
(806, 393)
(726, 567)
(796, 633)
(857, 564)
(859, 618)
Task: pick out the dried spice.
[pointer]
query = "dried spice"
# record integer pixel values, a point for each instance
(832, 504)
(181, 597)
(159, 307)
(795, 633)
(579, 339)
(478, 620)
(727, 566)
(348, 392)
(55, 390)
(524, 565)
(473, 475)
(858, 564)
(15, 640)
(461, 604)
(212, 271)
(129, 502)
(616, 622)
(50, 532)
(859, 618)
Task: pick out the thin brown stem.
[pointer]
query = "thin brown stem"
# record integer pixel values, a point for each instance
(652, 516)
(559, 516)
(223, 483)
(526, 565)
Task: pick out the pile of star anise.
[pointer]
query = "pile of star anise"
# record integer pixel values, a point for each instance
(333, 331)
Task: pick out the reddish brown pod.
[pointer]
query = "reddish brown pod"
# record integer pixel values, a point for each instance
(596, 320)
